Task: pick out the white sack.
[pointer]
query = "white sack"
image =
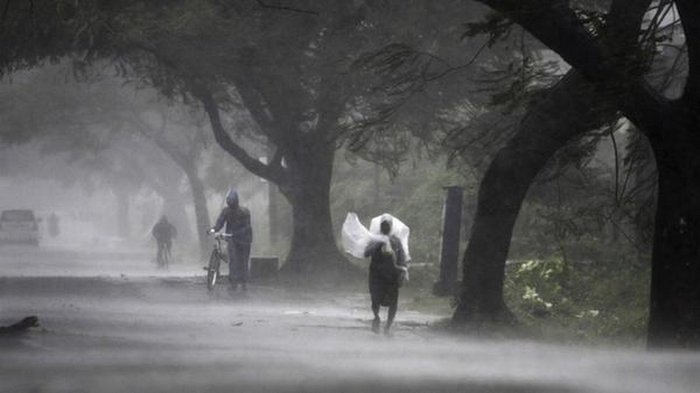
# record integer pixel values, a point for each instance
(398, 229)
(356, 237)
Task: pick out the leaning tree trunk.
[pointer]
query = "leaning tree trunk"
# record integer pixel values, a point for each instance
(570, 109)
(313, 250)
(201, 212)
(674, 309)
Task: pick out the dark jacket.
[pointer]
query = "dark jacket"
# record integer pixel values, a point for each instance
(384, 272)
(237, 223)
(386, 264)
(164, 231)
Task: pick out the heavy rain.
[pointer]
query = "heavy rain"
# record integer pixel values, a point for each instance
(349, 196)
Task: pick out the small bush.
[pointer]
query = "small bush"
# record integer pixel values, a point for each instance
(590, 302)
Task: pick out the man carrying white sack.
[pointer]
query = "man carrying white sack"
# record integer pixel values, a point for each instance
(386, 244)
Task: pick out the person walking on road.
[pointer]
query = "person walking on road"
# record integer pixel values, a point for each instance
(236, 220)
(387, 271)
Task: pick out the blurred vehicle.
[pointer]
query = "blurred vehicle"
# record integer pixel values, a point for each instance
(19, 226)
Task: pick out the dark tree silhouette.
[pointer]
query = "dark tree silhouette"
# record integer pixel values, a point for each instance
(567, 111)
(671, 125)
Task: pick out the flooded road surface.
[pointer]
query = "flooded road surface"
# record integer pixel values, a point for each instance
(130, 331)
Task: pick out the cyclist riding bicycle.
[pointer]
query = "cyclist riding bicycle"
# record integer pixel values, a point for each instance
(163, 232)
(237, 221)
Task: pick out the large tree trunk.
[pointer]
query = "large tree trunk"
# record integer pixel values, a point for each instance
(313, 249)
(674, 309)
(201, 212)
(302, 169)
(570, 109)
(674, 314)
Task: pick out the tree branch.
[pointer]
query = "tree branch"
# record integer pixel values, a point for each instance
(555, 24)
(224, 140)
(274, 101)
(255, 106)
(258, 109)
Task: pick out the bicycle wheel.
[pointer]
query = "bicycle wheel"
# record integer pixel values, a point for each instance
(166, 257)
(159, 258)
(213, 270)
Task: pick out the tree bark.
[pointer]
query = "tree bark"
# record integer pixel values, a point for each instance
(672, 129)
(570, 109)
(674, 309)
(313, 249)
(201, 212)
(305, 180)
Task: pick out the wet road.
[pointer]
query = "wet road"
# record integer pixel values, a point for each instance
(109, 329)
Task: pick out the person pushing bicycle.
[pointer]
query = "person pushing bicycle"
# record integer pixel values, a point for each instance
(237, 221)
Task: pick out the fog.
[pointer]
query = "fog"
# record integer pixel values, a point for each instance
(166, 334)
(111, 321)
(550, 197)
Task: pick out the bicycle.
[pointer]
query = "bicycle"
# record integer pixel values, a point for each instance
(163, 256)
(217, 256)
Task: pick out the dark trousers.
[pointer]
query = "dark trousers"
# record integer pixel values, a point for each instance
(238, 255)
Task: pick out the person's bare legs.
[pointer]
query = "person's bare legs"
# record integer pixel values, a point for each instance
(390, 317)
(377, 320)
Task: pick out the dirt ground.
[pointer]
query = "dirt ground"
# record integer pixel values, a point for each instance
(112, 323)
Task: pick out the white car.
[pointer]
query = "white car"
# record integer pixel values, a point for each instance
(19, 227)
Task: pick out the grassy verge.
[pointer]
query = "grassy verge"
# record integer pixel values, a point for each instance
(578, 303)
